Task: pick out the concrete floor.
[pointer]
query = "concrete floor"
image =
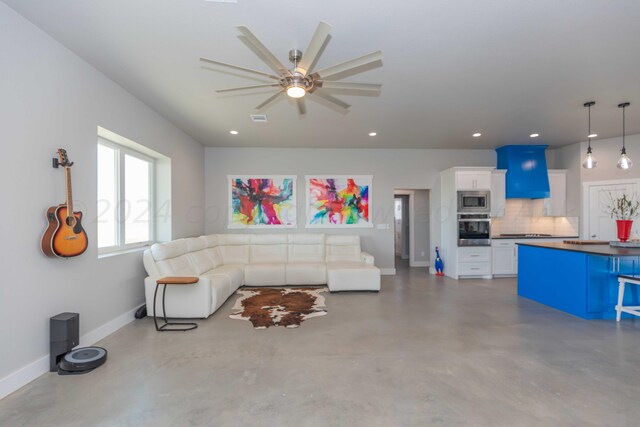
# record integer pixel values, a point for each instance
(425, 351)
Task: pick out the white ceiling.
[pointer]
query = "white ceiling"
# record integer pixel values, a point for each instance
(506, 68)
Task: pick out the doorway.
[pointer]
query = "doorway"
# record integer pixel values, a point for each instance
(597, 197)
(401, 224)
(411, 228)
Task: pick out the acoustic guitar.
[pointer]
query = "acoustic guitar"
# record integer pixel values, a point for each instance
(64, 237)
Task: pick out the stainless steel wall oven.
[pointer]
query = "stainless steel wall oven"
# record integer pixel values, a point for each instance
(474, 229)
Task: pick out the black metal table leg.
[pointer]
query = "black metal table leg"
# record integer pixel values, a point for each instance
(163, 328)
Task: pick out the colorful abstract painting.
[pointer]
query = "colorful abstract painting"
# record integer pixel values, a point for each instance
(262, 201)
(339, 201)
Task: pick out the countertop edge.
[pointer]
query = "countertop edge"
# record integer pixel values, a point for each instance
(604, 250)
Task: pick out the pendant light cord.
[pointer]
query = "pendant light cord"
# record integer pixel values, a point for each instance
(589, 135)
(624, 130)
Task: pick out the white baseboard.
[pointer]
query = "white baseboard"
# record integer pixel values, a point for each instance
(420, 264)
(388, 271)
(26, 374)
(432, 270)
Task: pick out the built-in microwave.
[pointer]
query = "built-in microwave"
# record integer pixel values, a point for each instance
(474, 201)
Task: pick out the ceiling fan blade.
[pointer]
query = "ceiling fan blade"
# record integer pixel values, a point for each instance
(349, 65)
(334, 102)
(310, 55)
(302, 108)
(248, 70)
(266, 55)
(270, 99)
(247, 87)
(351, 86)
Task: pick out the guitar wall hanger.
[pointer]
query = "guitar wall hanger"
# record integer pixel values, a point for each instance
(56, 163)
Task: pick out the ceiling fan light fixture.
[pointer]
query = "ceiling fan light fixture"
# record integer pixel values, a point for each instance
(296, 91)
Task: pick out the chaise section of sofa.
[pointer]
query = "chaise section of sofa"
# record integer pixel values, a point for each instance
(224, 262)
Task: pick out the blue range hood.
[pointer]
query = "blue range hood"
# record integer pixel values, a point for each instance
(527, 176)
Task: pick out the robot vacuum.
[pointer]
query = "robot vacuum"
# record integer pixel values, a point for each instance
(82, 360)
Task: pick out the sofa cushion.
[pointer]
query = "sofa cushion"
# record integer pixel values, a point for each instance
(195, 243)
(234, 254)
(268, 248)
(172, 259)
(162, 251)
(352, 276)
(215, 256)
(233, 272)
(233, 239)
(306, 273)
(201, 261)
(306, 248)
(178, 266)
(220, 291)
(264, 274)
(343, 248)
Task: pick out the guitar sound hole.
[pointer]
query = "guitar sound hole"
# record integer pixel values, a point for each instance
(71, 221)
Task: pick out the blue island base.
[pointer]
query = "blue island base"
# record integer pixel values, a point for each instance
(578, 283)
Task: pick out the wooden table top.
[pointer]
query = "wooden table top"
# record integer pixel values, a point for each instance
(177, 280)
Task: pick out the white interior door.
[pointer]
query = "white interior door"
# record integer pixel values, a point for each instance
(601, 226)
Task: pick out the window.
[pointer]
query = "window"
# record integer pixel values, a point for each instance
(125, 197)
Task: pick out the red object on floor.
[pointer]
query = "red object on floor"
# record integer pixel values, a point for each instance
(624, 229)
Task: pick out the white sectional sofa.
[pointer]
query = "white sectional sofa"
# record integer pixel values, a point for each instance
(224, 262)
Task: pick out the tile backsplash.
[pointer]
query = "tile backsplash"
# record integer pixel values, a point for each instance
(518, 218)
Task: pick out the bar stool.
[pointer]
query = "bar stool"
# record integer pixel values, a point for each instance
(631, 309)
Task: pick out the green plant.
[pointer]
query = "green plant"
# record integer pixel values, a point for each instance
(625, 207)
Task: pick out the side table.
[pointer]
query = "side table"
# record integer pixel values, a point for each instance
(165, 281)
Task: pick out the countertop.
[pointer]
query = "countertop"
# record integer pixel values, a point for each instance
(587, 249)
(500, 237)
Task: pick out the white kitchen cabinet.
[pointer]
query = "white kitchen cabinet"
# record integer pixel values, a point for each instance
(498, 193)
(556, 204)
(504, 254)
(504, 258)
(473, 180)
(474, 261)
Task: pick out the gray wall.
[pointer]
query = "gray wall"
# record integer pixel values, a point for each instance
(391, 169)
(51, 98)
(606, 152)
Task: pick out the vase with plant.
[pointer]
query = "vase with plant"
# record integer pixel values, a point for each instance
(624, 209)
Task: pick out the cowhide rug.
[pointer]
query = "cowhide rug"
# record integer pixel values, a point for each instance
(287, 307)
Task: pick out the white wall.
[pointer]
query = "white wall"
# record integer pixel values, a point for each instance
(51, 98)
(421, 213)
(391, 169)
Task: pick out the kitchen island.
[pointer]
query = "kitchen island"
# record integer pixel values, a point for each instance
(578, 279)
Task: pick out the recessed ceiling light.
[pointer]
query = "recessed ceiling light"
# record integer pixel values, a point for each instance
(477, 135)
(592, 135)
(233, 132)
(534, 135)
(372, 134)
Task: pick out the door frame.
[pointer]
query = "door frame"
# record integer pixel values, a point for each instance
(586, 189)
(411, 194)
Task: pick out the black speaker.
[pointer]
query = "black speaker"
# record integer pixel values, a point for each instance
(64, 335)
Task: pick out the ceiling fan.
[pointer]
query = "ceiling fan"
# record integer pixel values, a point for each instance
(301, 79)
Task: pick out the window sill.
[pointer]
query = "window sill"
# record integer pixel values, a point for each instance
(123, 251)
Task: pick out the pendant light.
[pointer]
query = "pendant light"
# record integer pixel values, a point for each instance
(589, 162)
(624, 162)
